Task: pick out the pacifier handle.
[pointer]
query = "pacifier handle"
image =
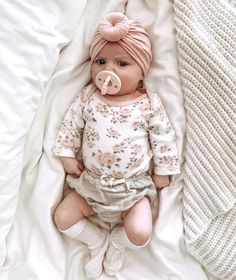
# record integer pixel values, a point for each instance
(108, 82)
(105, 85)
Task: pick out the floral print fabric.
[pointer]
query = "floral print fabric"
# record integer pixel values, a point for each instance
(118, 140)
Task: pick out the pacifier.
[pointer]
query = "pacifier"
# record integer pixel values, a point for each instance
(108, 82)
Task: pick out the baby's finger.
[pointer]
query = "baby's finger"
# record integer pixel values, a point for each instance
(80, 166)
(77, 172)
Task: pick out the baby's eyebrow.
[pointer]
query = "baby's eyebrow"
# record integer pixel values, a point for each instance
(99, 56)
(123, 57)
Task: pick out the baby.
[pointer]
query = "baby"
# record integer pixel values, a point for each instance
(120, 128)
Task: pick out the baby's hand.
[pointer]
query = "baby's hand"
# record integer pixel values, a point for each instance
(72, 166)
(161, 181)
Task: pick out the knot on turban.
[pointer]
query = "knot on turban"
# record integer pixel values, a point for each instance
(129, 34)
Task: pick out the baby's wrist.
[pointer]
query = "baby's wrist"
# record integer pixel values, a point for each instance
(161, 181)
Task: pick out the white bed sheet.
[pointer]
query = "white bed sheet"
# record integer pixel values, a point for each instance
(32, 34)
(45, 64)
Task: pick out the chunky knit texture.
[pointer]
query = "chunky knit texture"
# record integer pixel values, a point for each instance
(206, 40)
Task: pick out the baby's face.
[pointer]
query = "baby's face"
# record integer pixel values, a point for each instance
(115, 59)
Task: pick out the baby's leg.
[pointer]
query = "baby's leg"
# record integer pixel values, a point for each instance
(71, 210)
(135, 234)
(70, 218)
(138, 222)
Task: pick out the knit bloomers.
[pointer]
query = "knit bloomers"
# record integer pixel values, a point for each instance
(109, 196)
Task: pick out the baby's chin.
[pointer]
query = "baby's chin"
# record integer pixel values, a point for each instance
(124, 96)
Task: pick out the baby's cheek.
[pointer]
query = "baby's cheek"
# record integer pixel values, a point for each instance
(93, 74)
(125, 81)
(94, 71)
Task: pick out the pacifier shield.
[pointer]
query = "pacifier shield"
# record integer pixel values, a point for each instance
(108, 82)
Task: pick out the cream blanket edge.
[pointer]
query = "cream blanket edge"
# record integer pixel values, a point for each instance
(206, 38)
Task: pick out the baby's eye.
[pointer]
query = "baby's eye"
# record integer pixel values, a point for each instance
(100, 61)
(122, 63)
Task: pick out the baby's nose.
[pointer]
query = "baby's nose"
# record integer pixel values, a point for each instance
(110, 66)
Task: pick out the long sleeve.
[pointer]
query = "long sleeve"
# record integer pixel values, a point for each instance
(69, 136)
(162, 139)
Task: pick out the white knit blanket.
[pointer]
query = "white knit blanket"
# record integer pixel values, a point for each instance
(206, 38)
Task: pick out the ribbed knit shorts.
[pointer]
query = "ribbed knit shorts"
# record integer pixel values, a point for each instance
(108, 196)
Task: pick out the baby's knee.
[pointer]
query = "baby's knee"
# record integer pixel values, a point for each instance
(140, 236)
(61, 218)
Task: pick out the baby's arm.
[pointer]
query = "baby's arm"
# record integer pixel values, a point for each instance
(162, 139)
(69, 137)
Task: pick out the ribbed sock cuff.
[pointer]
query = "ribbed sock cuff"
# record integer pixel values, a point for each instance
(120, 240)
(74, 230)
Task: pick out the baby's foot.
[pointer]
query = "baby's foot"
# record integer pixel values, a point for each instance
(114, 259)
(94, 266)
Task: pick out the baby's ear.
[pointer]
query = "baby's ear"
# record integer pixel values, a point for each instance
(141, 76)
(140, 84)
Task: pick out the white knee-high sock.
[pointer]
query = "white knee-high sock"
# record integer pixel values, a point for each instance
(86, 232)
(116, 250)
(96, 240)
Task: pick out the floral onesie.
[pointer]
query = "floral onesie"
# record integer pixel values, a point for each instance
(118, 141)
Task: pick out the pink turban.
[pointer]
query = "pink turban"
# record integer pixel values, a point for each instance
(129, 34)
